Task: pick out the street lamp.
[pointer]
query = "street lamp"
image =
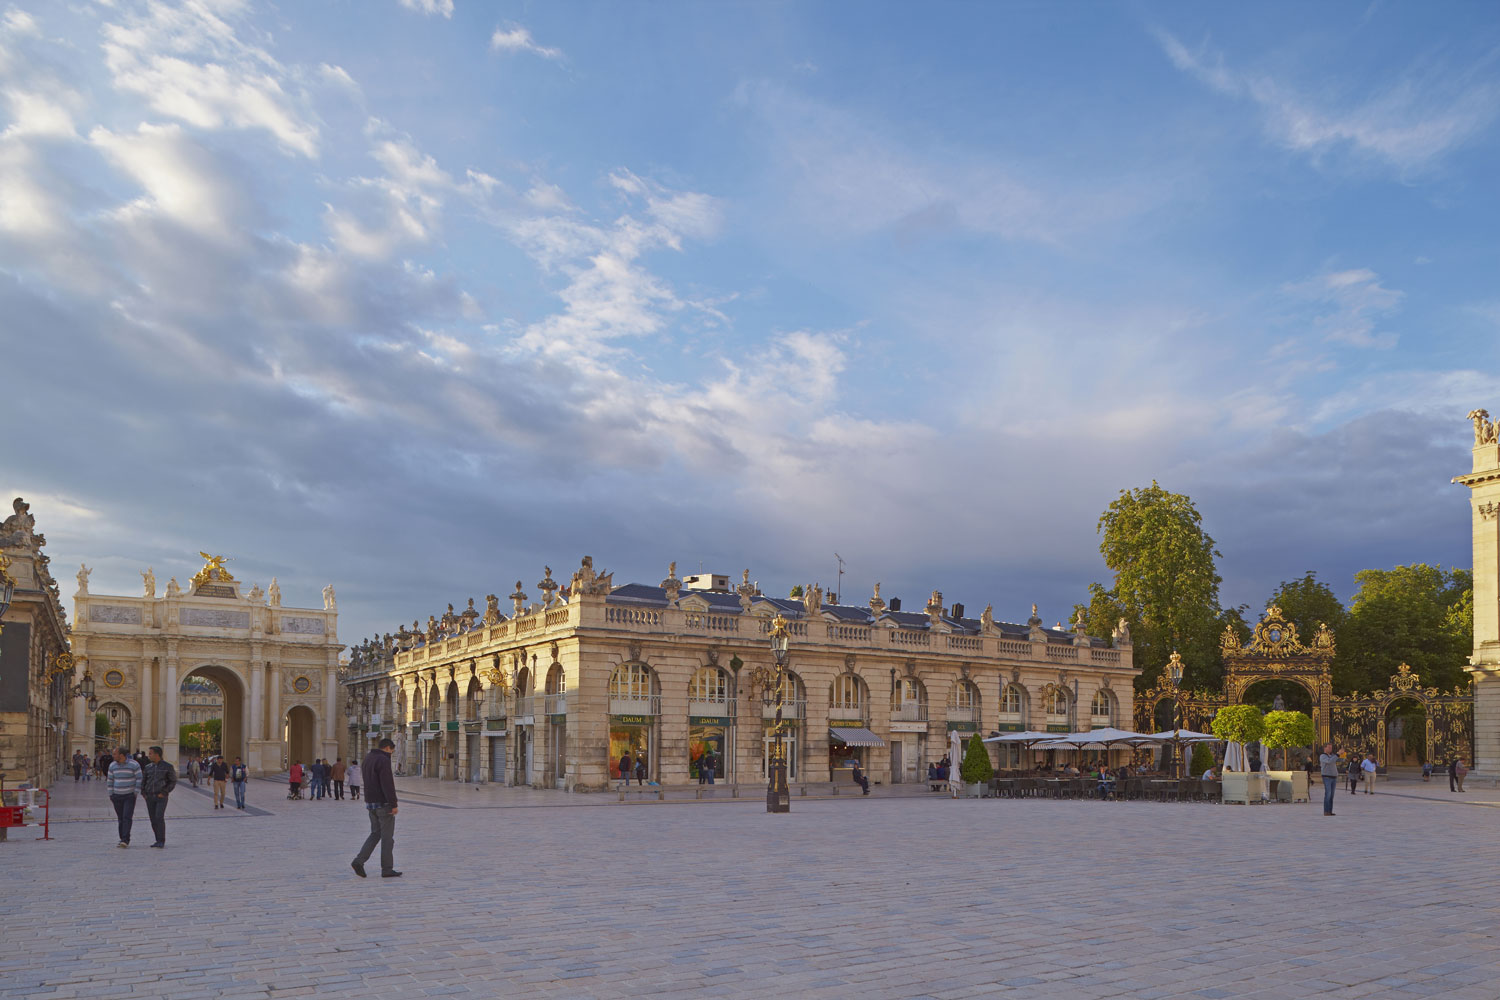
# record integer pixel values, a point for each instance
(778, 797)
(1174, 674)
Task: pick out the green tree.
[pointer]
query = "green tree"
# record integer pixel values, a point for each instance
(101, 725)
(976, 767)
(1166, 583)
(1203, 759)
(796, 590)
(1285, 730)
(188, 736)
(1420, 615)
(1239, 724)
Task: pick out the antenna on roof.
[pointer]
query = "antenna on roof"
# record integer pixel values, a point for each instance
(841, 577)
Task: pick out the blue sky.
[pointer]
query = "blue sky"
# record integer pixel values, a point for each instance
(417, 296)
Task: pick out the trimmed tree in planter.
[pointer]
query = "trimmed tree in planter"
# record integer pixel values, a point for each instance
(1203, 759)
(976, 768)
(1239, 724)
(1285, 730)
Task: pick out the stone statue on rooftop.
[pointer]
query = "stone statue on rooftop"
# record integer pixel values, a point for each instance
(1485, 429)
(149, 579)
(83, 578)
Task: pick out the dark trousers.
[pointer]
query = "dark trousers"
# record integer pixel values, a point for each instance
(1330, 786)
(1452, 782)
(382, 832)
(863, 783)
(156, 808)
(354, 792)
(338, 789)
(124, 813)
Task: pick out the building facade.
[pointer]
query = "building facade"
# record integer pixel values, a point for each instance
(35, 692)
(276, 667)
(557, 693)
(1483, 481)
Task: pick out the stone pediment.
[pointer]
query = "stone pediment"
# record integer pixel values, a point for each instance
(694, 602)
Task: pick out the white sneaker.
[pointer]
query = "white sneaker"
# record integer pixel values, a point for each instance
(122, 844)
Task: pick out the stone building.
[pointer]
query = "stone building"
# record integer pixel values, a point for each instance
(275, 666)
(35, 692)
(200, 701)
(554, 695)
(1483, 481)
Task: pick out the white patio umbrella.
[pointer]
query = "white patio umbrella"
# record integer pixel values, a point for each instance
(955, 752)
(1234, 757)
(1184, 736)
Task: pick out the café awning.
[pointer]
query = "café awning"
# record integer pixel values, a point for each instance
(855, 737)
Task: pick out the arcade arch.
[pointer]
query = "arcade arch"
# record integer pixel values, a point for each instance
(232, 700)
(300, 735)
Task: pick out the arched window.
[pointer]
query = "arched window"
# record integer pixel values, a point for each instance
(557, 680)
(793, 698)
(1103, 709)
(1010, 702)
(909, 701)
(1057, 703)
(846, 697)
(709, 686)
(963, 702)
(472, 699)
(632, 691)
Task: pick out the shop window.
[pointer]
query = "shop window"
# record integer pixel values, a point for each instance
(1103, 710)
(630, 682)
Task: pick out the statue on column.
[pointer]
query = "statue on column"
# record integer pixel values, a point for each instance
(149, 579)
(274, 593)
(83, 578)
(329, 604)
(174, 589)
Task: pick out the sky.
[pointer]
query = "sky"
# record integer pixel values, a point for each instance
(417, 297)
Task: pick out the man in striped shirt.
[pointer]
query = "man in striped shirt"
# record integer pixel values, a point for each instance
(124, 782)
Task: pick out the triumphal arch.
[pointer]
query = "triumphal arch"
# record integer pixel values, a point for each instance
(276, 665)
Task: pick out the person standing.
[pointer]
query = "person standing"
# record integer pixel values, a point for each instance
(238, 775)
(123, 782)
(640, 768)
(294, 779)
(354, 781)
(159, 780)
(1368, 767)
(1353, 772)
(625, 768)
(218, 771)
(77, 766)
(380, 802)
(1328, 767)
(337, 773)
(1460, 770)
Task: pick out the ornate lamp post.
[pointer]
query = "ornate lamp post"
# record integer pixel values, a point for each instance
(1174, 674)
(778, 797)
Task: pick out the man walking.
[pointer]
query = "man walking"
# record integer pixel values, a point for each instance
(219, 772)
(319, 778)
(1369, 768)
(1328, 767)
(337, 774)
(380, 802)
(238, 775)
(123, 782)
(160, 778)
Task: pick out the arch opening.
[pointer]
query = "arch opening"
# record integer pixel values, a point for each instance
(211, 713)
(300, 734)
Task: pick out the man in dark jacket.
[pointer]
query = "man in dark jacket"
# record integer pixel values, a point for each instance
(380, 802)
(160, 778)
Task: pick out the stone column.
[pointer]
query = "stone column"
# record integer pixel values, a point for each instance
(333, 722)
(144, 722)
(169, 691)
(274, 744)
(1484, 665)
(255, 724)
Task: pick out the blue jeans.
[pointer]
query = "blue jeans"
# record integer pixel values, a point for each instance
(124, 813)
(239, 795)
(1330, 786)
(317, 788)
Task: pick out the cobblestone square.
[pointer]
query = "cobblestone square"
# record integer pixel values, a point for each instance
(518, 893)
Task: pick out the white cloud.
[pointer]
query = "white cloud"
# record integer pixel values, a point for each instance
(189, 63)
(443, 7)
(1411, 123)
(514, 38)
(1358, 301)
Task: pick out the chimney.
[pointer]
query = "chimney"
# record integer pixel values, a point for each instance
(958, 611)
(895, 604)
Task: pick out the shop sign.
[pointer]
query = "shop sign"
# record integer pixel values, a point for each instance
(631, 720)
(963, 727)
(707, 720)
(452, 725)
(557, 717)
(1056, 728)
(908, 727)
(846, 723)
(434, 725)
(1009, 727)
(495, 725)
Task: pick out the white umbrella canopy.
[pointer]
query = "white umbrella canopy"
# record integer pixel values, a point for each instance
(955, 752)
(1108, 737)
(1184, 736)
(1234, 757)
(1025, 736)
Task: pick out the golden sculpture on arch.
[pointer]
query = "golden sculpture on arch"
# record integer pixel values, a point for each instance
(213, 571)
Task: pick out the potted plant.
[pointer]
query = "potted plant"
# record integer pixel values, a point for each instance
(976, 769)
(1240, 724)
